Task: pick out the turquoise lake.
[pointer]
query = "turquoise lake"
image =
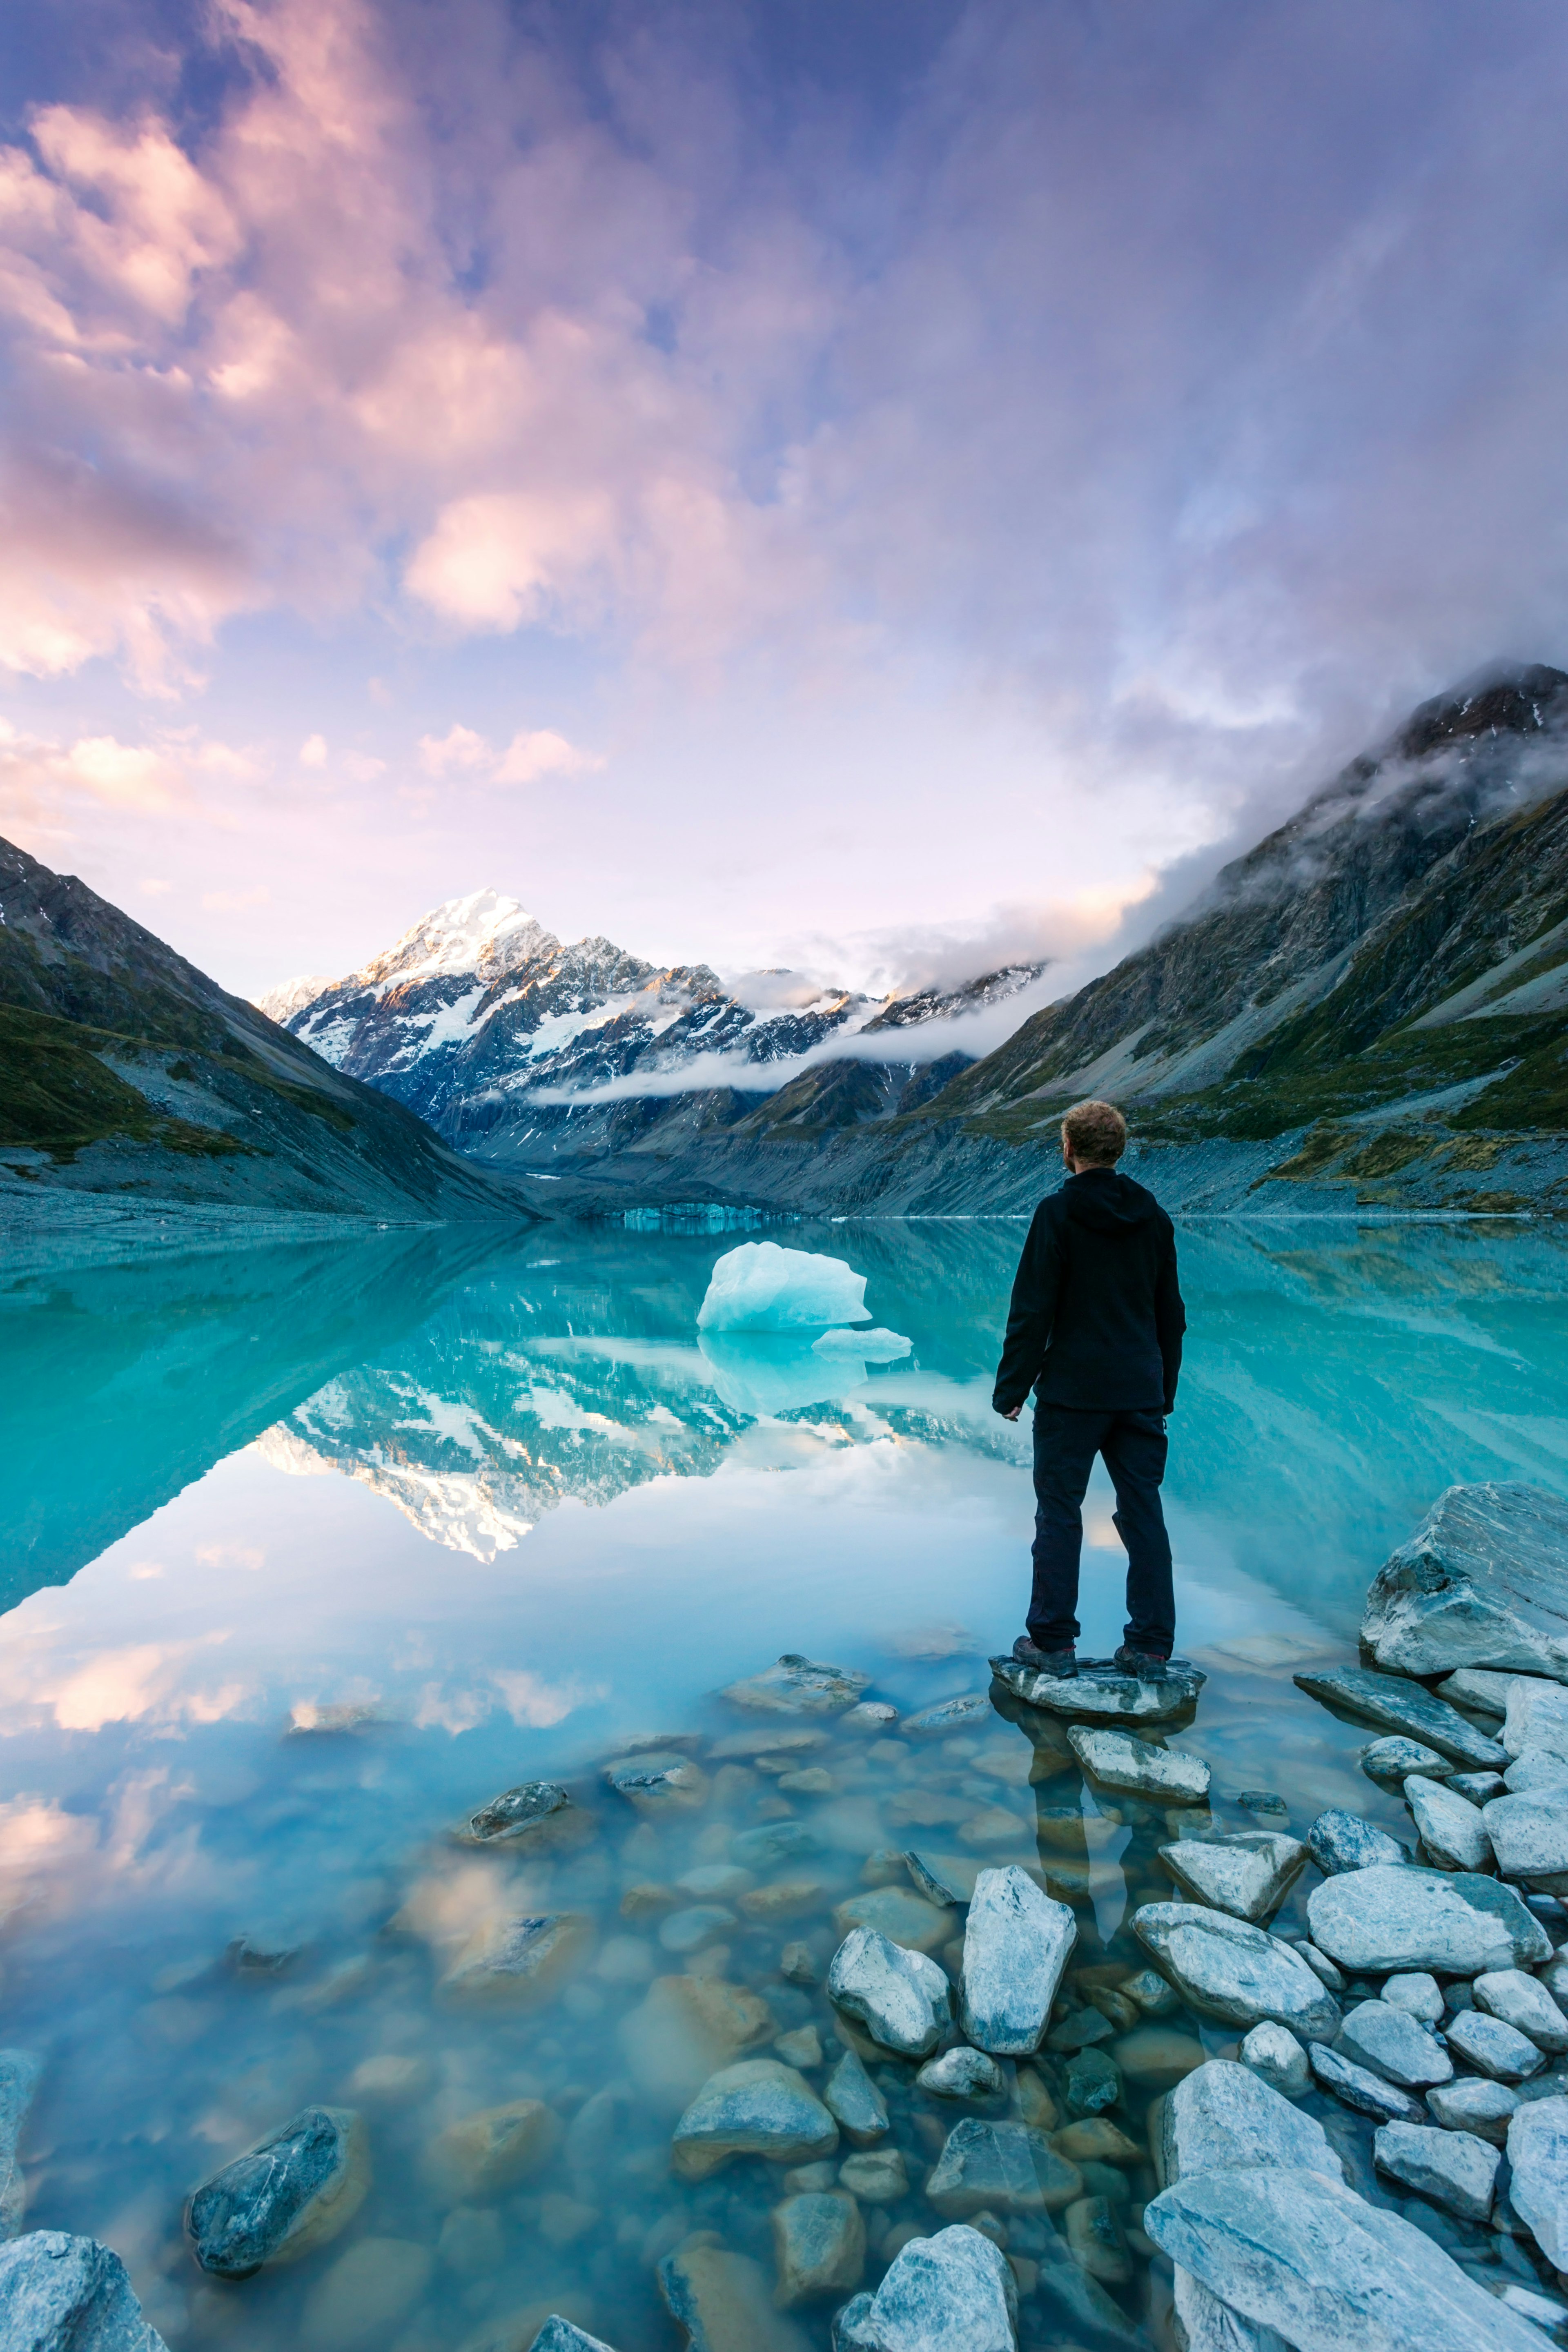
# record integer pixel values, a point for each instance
(308, 1553)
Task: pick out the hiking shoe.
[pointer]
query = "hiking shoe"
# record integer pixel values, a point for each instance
(1062, 1663)
(1149, 1666)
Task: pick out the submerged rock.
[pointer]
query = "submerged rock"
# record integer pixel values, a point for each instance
(953, 2293)
(896, 1913)
(1453, 2167)
(1247, 1875)
(1452, 1828)
(685, 2029)
(291, 2192)
(901, 1998)
(855, 2103)
(950, 1715)
(759, 2107)
(1116, 1761)
(1224, 2115)
(19, 2071)
(878, 2176)
(1378, 1920)
(961, 2075)
(524, 1957)
(1493, 2048)
(1528, 1834)
(537, 1816)
(1001, 2169)
(798, 1685)
(1229, 1969)
(1102, 1694)
(1402, 1706)
(61, 2293)
(1359, 2087)
(1524, 2002)
(661, 1783)
(1392, 2044)
(1338, 1841)
(945, 1879)
(1015, 1946)
(1537, 2159)
(1273, 2053)
(558, 2335)
(723, 2300)
(1482, 1583)
(483, 2154)
(1294, 2252)
(773, 1842)
(819, 2248)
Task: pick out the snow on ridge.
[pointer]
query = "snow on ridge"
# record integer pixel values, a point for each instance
(291, 995)
(459, 936)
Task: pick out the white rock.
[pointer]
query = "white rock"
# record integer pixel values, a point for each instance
(1452, 1828)
(1452, 2168)
(953, 2293)
(1537, 1717)
(1471, 2103)
(1293, 2251)
(1529, 1832)
(1277, 2058)
(559, 2334)
(1482, 1690)
(1359, 2087)
(1209, 2325)
(1247, 1875)
(1136, 1767)
(1338, 1841)
(1375, 1921)
(901, 1997)
(1389, 2039)
(1522, 2002)
(1492, 2047)
(1481, 1582)
(1535, 1768)
(1224, 2115)
(1015, 1946)
(1231, 1971)
(1541, 2308)
(758, 2107)
(1389, 1761)
(1417, 1994)
(961, 2075)
(1538, 2156)
(61, 2293)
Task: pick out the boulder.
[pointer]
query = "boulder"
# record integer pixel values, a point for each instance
(1225, 2115)
(1299, 2253)
(1528, 1834)
(1015, 1945)
(481, 2156)
(1536, 1717)
(1405, 1707)
(855, 2103)
(1338, 1841)
(1538, 2160)
(1458, 1923)
(953, 2293)
(1387, 1761)
(1417, 1994)
(999, 2168)
(61, 2293)
(290, 2193)
(1524, 2002)
(723, 2300)
(1114, 1760)
(1452, 1830)
(1453, 2169)
(964, 2074)
(536, 1817)
(1277, 2058)
(1482, 1583)
(819, 2248)
(1226, 1968)
(798, 1685)
(19, 2071)
(1493, 2048)
(901, 1997)
(1247, 1876)
(1100, 1694)
(1359, 2087)
(759, 2107)
(522, 1958)
(1471, 2104)
(1391, 2042)
(898, 1913)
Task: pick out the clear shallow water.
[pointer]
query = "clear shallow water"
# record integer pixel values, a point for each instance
(502, 1506)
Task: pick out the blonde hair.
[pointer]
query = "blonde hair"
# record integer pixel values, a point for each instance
(1095, 1131)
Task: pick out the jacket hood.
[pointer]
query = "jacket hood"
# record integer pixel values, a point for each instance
(1107, 1203)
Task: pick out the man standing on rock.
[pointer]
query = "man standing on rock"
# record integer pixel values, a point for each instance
(1095, 1329)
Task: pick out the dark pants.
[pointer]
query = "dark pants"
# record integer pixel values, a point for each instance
(1134, 1446)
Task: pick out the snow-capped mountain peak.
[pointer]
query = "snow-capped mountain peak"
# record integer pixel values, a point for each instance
(484, 933)
(290, 996)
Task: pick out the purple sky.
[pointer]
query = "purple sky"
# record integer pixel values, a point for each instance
(865, 483)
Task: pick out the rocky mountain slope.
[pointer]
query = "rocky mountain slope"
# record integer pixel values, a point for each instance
(124, 1069)
(519, 1048)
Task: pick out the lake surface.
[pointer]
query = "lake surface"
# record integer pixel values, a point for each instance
(309, 1552)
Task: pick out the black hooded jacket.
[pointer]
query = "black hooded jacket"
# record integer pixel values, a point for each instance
(1096, 1316)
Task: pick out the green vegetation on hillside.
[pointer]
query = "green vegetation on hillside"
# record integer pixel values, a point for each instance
(56, 1096)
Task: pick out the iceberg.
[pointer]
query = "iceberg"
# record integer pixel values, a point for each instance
(761, 1288)
(765, 1374)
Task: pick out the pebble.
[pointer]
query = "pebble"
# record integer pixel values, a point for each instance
(1522, 2002)
(1453, 2169)
(819, 2247)
(1223, 2117)
(871, 1715)
(482, 2154)
(1537, 2159)
(1157, 2055)
(63, 2293)
(757, 2107)
(1096, 2140)
(472, 2243)
(1226, 1968)
(1016, 1943)
(1338, 1841)
(901, 1998)
(715, 1882)
(1452, 1830)
(290, 2193)
(798, 1685)
(1378, 1920)
(558, 2335)
(1392, 2042)
(1359, 2087)
(1480, 1786)
(797, 1964)
(961, 2075)
(952, 2293)
(365, 2295)
(685, 2029)
(1535, 1768)
(1322, 1967)
(878, 2176)
(1417, 1994)
(723, 2299)
(812, 1780)
(1115, 1760)
(855, 2103)
(1277, 2058)
(1262, 1800)
(898, 1914)
(1472, 2105)
(1001, 2169)
(1492, 2047)
(390, 2079)
(1151, 1992)
(772, 1740)
(1479, 1688)
(1247, 1875)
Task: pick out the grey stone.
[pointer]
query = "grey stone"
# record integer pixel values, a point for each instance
(819, 2248)
(723, 2300)
(1452, 1828)
(1296, 2252)
(1224, 2115)
(901, 1997)
(855, 2103)
(1389, 1760)
(1092, 2083)
(1528, 1833)
(1322, 1967)
(961, 2075)
(871, 1715)
(1483, 1581)
(1273, 2053)
(1538, 2157)
(523, 1957)
(1470, 2103)
(1542, 2309)
(953, 2293)
(697, 1924)
(950, 1715)
(1231, 1971)
(1524, 2002)
(1478, 1787)
(1405, 1707)
(1373, 1922)
(775, 1739)
(558, 2335)
(61, 2293)
(1359, 2087)
(663, 1782)
(759, 2107)
(1479, 1688)
(1102, 1694)
(852, 2326)
(1248, 1875)
(1555, 1977)
(1453, 2169)
(1536, 1718)
(19, 2071)
(798, 1685)
(1391, 2042)
(1150, 1992)
(773, 1842)
(1135, 1768)
(1493, 2048)
(1535, 1768)
(1209, 2325)
(942, 1879)
(1002, 2167)
(1338, 1841)
(536, 1816)
(878, 2176)
(1015, 1945)
(290, 2193)
(1417, 1994)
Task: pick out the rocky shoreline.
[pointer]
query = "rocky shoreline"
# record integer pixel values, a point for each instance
(1158, 2083)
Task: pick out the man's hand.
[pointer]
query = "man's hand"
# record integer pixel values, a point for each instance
(1018, 1409)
